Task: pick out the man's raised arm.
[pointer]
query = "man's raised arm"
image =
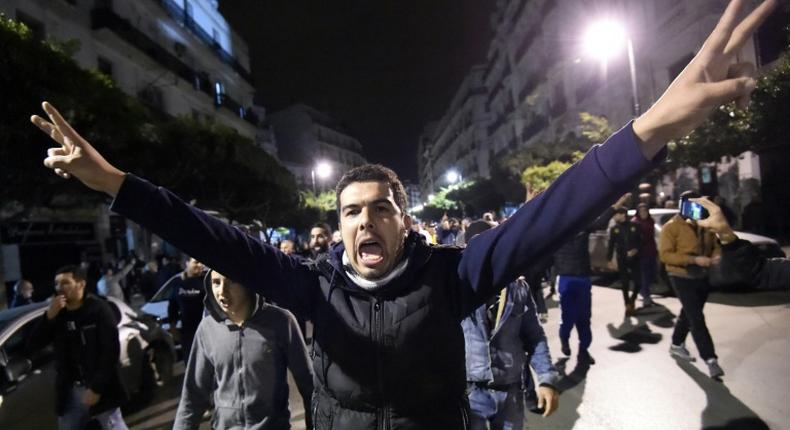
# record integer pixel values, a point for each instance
(498, 256)
(225, 249)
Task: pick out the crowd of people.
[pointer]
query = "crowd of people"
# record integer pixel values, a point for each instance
(407, 334)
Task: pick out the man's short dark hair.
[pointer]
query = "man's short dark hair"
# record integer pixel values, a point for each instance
(323, 226)
(373, 173)
(76, 272)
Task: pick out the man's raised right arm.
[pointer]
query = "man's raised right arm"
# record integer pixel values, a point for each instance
(220, 246)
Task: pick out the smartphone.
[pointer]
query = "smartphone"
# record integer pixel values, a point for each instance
(692, 210)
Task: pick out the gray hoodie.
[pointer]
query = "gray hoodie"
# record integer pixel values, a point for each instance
(243, 368)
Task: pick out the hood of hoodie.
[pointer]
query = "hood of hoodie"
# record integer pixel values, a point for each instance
(415, 250)
(216, 311)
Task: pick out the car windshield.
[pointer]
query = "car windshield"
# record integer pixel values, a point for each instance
(164, 293)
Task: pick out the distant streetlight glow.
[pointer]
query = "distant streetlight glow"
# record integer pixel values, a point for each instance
(604, 39)
(323, 170)
(453, 176)
(431, 197)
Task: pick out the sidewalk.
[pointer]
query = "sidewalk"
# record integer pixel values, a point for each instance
(637, 385)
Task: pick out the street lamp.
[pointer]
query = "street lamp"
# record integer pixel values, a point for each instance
(323, 169)
(603, 40)
(453, 176)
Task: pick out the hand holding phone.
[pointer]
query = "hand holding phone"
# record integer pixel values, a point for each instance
(692, 210)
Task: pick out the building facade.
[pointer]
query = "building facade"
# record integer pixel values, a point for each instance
(307, 137)
(458, 142)
(179, 57)
(537, 77)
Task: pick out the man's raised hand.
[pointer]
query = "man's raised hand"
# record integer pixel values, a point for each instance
(75, 156)
(711, 79)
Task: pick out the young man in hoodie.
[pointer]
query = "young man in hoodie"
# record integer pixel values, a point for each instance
(388, 347)
(239, 359)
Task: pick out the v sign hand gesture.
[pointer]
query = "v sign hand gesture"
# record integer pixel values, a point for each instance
(710, 80)
(75, 156)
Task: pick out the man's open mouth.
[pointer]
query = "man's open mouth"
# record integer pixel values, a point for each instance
(371, 253)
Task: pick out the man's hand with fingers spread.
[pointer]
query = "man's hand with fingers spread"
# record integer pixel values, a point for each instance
(710, 80)
(75, 156)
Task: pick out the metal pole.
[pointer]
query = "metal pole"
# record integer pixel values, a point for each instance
(632, 66)
(312, 176)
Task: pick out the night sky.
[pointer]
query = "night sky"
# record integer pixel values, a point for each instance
(384, 68)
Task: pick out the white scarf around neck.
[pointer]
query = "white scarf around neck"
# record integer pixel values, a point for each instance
(368, 284)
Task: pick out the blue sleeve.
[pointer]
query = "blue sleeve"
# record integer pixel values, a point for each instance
(226, 249)
(495, 257)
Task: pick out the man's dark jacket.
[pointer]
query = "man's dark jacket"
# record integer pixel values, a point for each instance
(393, 357)
(623, 237)
(573, 257)
(100, 353)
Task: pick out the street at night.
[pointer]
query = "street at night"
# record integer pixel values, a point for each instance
(413, 215)
(635, 384)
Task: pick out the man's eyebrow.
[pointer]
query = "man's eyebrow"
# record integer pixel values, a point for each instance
(374, 202)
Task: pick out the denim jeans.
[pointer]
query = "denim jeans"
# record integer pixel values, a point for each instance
(77, 414)
(496, 410)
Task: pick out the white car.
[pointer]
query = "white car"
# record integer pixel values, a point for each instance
(27, 378)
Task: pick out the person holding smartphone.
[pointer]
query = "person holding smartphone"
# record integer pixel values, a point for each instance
(688, 250)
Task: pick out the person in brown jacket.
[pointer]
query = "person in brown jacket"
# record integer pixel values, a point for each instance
(688, 250)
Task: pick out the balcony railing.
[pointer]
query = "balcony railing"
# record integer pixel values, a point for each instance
(107, 18)
(180, 15)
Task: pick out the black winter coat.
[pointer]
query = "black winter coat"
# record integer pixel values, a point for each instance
(99, 367)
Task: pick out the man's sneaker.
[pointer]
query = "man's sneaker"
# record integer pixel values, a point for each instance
(566, 349)
(544, 318)
(714, 370)
(585, 357)
(680, 351)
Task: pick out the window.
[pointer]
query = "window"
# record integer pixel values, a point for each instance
(104, 65)
(219, 93)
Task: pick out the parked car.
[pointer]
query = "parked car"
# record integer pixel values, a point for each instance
(27, 379)
(157, 308)
(599, 240)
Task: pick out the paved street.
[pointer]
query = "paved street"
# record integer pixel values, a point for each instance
(635, 384)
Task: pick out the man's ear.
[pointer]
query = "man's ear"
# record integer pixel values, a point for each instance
(407, 222)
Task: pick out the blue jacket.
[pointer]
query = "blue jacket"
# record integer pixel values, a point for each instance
(499, 359)
(394, 356)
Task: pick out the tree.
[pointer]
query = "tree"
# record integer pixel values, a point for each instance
(731, 131)
(540, 177)
(478, 197)
(208, 162)
(508, 168)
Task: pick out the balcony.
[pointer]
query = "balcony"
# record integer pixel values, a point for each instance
(107, 18)
(179, 15)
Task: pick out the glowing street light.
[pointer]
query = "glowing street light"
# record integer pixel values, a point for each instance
(453, 176)
(603, 40)
(323, 169)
